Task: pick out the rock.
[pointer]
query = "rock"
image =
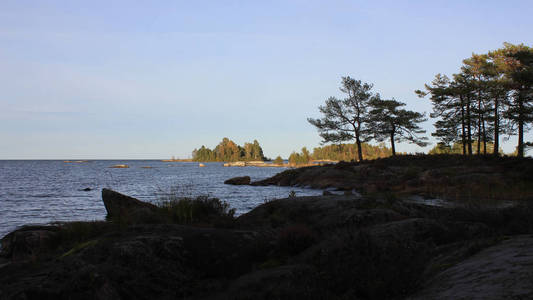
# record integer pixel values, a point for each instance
(502, 271)
(244, 180)
(120, 166)
(201, 165)
(28, 242)
(118, 205)
(235, 164)
(87, 189)
(285, 282)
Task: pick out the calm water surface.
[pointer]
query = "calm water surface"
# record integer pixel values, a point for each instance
(44, 191)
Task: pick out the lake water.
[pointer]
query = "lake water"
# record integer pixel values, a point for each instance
(44, 191)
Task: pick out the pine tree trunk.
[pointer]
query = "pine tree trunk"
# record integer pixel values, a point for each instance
(496, 127)
(392, 144)
(469, 127)
(479, 127)
(484, 136)
(520, 147)
(359, 150)
(463, 133)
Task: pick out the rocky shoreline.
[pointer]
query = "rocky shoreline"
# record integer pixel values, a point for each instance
(371, 245)
(476, 179)
(325, 247)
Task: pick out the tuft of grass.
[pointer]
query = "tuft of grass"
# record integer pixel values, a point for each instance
(199, 210)
(79, 247)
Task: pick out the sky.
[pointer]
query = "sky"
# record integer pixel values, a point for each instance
(155, 79)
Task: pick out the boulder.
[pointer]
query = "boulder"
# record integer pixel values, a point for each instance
(28, 242)
(244, 180)
(118, 205)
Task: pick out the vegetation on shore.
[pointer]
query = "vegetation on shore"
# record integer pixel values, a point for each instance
(470, 179)
(228, 151)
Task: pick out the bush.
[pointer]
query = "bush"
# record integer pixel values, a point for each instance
(278, 160)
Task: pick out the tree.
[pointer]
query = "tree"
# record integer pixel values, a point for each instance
(278, 160)
(492, 95)
(452, 105)
(518, 69)
(387, 120)
(227, 150)
(302, 158)
(346, 119)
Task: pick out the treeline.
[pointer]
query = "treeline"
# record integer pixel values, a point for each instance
(456, 148)
(344, 152)
(492, 95)
(229, 151)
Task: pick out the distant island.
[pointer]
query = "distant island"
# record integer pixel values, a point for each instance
(252, 154)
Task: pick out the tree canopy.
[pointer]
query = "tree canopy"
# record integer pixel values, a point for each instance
(229, 151)
(491, 95)
(346, 119)
(388, 120)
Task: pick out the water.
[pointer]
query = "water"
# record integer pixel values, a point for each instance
(44, 191)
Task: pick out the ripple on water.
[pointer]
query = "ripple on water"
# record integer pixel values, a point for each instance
(44, 191)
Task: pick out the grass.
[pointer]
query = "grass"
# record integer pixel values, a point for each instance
(199, 210)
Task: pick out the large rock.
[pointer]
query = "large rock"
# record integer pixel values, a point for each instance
(244, 180)
(502, 271)
(28, 242)
(118, 205)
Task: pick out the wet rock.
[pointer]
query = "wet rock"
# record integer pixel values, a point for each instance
(244, 180)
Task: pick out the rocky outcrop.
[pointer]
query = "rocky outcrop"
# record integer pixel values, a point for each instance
(323, 247)
(244, 180)
(452, 177)
(27, 243)
(502, 271)
(119, 205)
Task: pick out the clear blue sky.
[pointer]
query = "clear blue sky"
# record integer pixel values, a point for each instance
(152, 79)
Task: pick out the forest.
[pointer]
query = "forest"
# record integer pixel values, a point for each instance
(228, 151)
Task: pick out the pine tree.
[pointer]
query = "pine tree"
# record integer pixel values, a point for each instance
(346, 119)
(388, 120)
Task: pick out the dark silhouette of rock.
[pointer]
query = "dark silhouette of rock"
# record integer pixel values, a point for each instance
(322, 247)
(244, 180)
(28, 242)
(118, 205)
(87, 189)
